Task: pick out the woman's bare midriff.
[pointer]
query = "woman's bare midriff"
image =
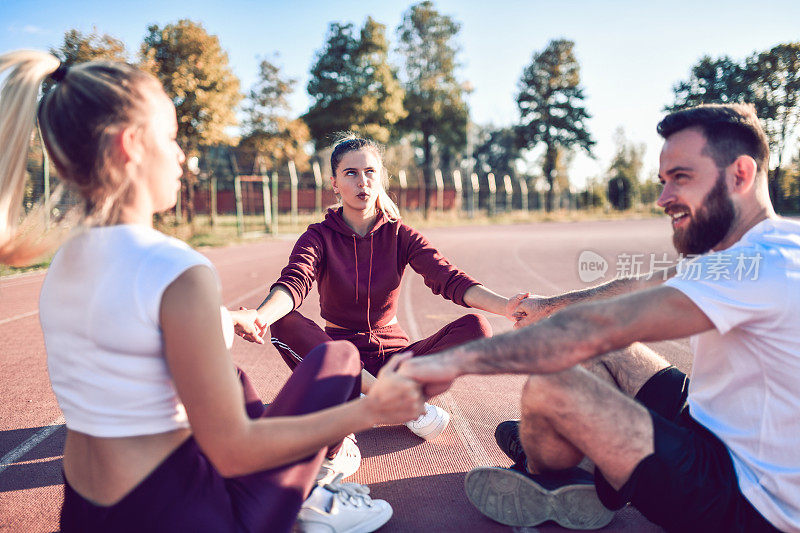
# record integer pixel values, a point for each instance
(329, 324)
(104, 470)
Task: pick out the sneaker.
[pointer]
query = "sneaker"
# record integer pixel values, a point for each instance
(430, 424)
(507, 437)
(345, 462)
(567, 497)
(342, 508)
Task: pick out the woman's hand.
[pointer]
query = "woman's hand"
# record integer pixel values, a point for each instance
(394, 399)
(249, 325)
(512, 306)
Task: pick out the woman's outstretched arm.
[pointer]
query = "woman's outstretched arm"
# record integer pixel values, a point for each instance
(479, 297)
(251, 324)
(206, 382)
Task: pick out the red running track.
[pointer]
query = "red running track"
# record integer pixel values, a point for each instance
(423, 481)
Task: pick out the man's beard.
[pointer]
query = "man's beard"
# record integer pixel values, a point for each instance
(709, 224)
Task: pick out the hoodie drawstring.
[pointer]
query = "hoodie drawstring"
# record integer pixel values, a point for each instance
(369, 290)
(355, 254)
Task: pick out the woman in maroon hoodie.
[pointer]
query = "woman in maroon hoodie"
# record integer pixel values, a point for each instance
(357, 256)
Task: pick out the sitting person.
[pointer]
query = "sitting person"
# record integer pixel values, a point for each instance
(163, 432)
(357, 256)
(717, 453)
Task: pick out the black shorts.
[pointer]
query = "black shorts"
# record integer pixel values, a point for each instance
(688, 483)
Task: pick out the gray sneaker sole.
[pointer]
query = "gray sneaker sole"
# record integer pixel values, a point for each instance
(514, 499)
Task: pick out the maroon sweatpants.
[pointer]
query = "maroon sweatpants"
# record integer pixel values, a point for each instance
(186, 493)
(295, 335)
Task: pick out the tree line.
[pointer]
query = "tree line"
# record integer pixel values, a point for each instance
(418, 108)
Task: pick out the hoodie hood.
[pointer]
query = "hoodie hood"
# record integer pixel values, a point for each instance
(336, 222)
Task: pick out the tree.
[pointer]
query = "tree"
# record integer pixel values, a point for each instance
(271, 138)
(79, 47)
(776, 89)
(624, 172)
(496, 150)
(550, 102)
(380, 102)
(194, 71)
(434, 99)
(713, 81)
(353, 86)
(770, 80)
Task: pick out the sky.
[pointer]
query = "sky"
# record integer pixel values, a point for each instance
(631, 52)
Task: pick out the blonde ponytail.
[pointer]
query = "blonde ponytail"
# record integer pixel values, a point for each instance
(18, 101)
(385, 204)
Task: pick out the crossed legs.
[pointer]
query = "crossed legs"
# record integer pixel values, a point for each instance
(590, 412)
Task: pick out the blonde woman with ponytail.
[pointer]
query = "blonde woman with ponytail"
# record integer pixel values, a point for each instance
(357, 257)
(164, 433)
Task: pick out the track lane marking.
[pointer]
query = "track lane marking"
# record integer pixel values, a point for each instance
(475, 450)
(30, 443)
(37, 438)
(19, 317)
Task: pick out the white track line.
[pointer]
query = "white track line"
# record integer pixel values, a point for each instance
(535, 274)
(30, 443)
(475, 450)
(33, 441)
(18, 317)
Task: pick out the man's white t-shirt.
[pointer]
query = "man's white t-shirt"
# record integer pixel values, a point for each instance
(745, 382)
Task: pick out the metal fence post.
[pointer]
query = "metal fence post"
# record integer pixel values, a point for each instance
(267, 203)
(275, 206)
(475, 196)
(237, 189)
(492, 194)
(293, 182)
(458, 187)
(317, 188)
(523, 191)
(509, 192)
(437, 174)
(401, 179)
(212, 185)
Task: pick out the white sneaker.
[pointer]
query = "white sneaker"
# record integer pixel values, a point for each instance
(431, 423)
(342, 508)
(346, 462)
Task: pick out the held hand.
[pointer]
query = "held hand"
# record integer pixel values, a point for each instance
(433, 372)
(513, 304)
(532, 309)
(248, 325)
(393, 398)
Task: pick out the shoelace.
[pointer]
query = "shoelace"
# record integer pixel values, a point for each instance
(349, 493)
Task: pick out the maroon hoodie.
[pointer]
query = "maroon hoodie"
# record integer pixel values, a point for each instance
(359, 277)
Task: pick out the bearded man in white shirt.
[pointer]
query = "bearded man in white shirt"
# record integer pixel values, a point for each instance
(718, 452)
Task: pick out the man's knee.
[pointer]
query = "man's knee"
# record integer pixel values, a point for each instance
(542, 392)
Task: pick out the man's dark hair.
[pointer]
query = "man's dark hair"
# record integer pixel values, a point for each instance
(730, 130)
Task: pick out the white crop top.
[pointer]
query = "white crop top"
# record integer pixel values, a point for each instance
(100, 314)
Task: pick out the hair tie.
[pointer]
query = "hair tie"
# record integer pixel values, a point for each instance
(58, 74)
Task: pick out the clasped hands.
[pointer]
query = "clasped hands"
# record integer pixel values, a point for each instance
(525, 308)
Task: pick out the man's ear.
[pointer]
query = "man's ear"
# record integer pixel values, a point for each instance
(744, 173)
(129, 144)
